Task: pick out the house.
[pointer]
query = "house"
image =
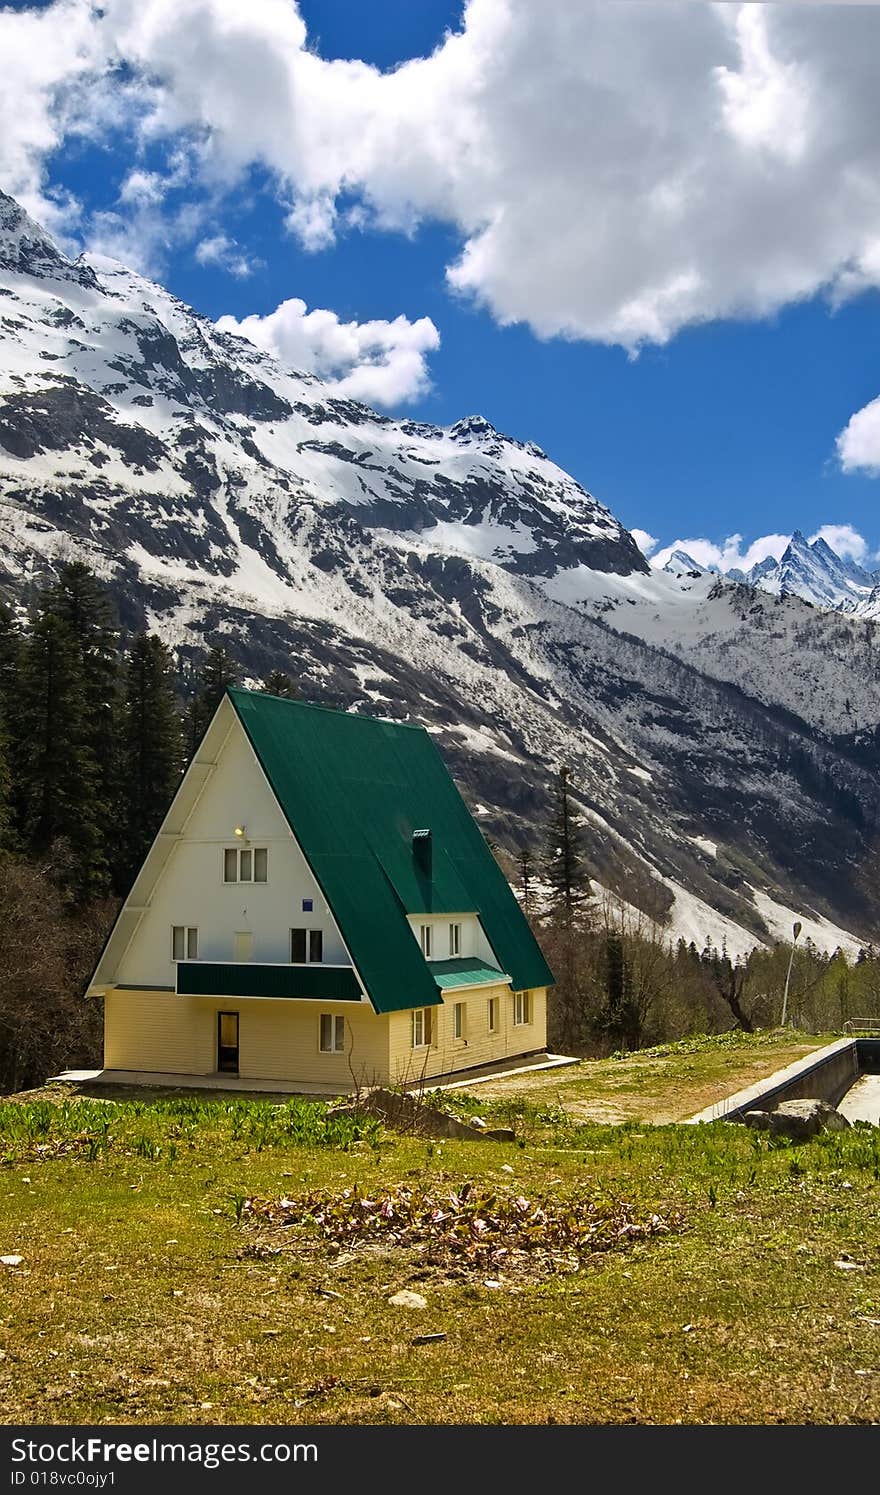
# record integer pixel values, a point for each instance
(319, 908)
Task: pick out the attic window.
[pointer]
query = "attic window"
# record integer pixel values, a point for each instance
(422, 850)
(245, 864)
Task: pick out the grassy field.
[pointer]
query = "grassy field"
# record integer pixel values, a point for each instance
(663, 1084)
(174, 1268)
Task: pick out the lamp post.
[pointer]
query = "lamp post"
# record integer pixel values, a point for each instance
(795, 929)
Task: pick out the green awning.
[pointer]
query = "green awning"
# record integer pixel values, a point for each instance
(202, 978)
(464, 971)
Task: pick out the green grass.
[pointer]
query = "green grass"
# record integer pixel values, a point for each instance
(150, 1291)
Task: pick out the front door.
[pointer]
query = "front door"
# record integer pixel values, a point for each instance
(227, 1043)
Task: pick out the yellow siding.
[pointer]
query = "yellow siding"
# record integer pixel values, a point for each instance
(479, 1046)
(161, 1032)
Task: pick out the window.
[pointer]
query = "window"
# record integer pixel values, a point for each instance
(184, 942)
(455, 939)
(245, 864)
(425, 940)
(308, 905)
(493, 1014)
(458, 1020)
(306, 945)
(332, 1034)
(522, 1008)
(422, 1027)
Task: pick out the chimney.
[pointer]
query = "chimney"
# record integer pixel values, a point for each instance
(421, 841)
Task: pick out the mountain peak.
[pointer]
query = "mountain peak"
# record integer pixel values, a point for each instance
(473, 427)
(26, 248)
(681, 563)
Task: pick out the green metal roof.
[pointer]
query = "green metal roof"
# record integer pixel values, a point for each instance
(353, 790)
(202, 978)
(465, 971)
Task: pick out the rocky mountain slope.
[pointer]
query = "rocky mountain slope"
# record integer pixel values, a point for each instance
(722, 742)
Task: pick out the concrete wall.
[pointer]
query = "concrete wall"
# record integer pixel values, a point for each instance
(825, 1075)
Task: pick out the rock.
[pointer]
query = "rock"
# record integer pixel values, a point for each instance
(406, 1299)
(798, 1119)
(11, 1261)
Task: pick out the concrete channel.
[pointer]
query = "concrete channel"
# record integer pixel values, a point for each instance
(846, 1074)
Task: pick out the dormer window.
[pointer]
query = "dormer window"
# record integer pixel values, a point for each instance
(426, 940)
(455, 939)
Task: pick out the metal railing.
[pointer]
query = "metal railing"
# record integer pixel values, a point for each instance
(870, 1026)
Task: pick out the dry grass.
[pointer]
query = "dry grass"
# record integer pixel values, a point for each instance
(663, 1084)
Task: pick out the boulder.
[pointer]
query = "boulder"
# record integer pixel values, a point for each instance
(798, 1119)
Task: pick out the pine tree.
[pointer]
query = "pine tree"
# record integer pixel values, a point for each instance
(151, 750)
(81, 601)
(218, 672)
(58, 775)
(278, 683)
(526, 877)
(10, 647)
(618, 1017)
(5, 788)
(565, 868)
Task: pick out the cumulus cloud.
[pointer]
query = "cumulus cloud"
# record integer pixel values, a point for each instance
(645, 542)
(379, 362)
(730, 555)
(858, 445)
(844, 541)
(46, 55)
(220, 250)
(733, 554)
(606, 180)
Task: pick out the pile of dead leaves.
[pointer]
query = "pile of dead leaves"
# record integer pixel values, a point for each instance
(474, 1227)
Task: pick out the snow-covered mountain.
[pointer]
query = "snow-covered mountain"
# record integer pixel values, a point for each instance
(723, 743)
(815, 572)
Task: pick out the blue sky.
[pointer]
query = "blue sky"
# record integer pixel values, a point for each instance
(724, 422)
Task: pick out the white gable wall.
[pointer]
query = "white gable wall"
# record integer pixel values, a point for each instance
(191, 890)
(473, 938)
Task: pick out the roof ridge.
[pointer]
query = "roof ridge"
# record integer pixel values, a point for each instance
(384, 721)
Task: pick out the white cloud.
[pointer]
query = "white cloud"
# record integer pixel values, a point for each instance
(844, 541)
(381, 363)
(220, 250)
(45, 55)
(858, 445)
(729, 555)
(733, 554)
(607, 180)
(645, 542)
